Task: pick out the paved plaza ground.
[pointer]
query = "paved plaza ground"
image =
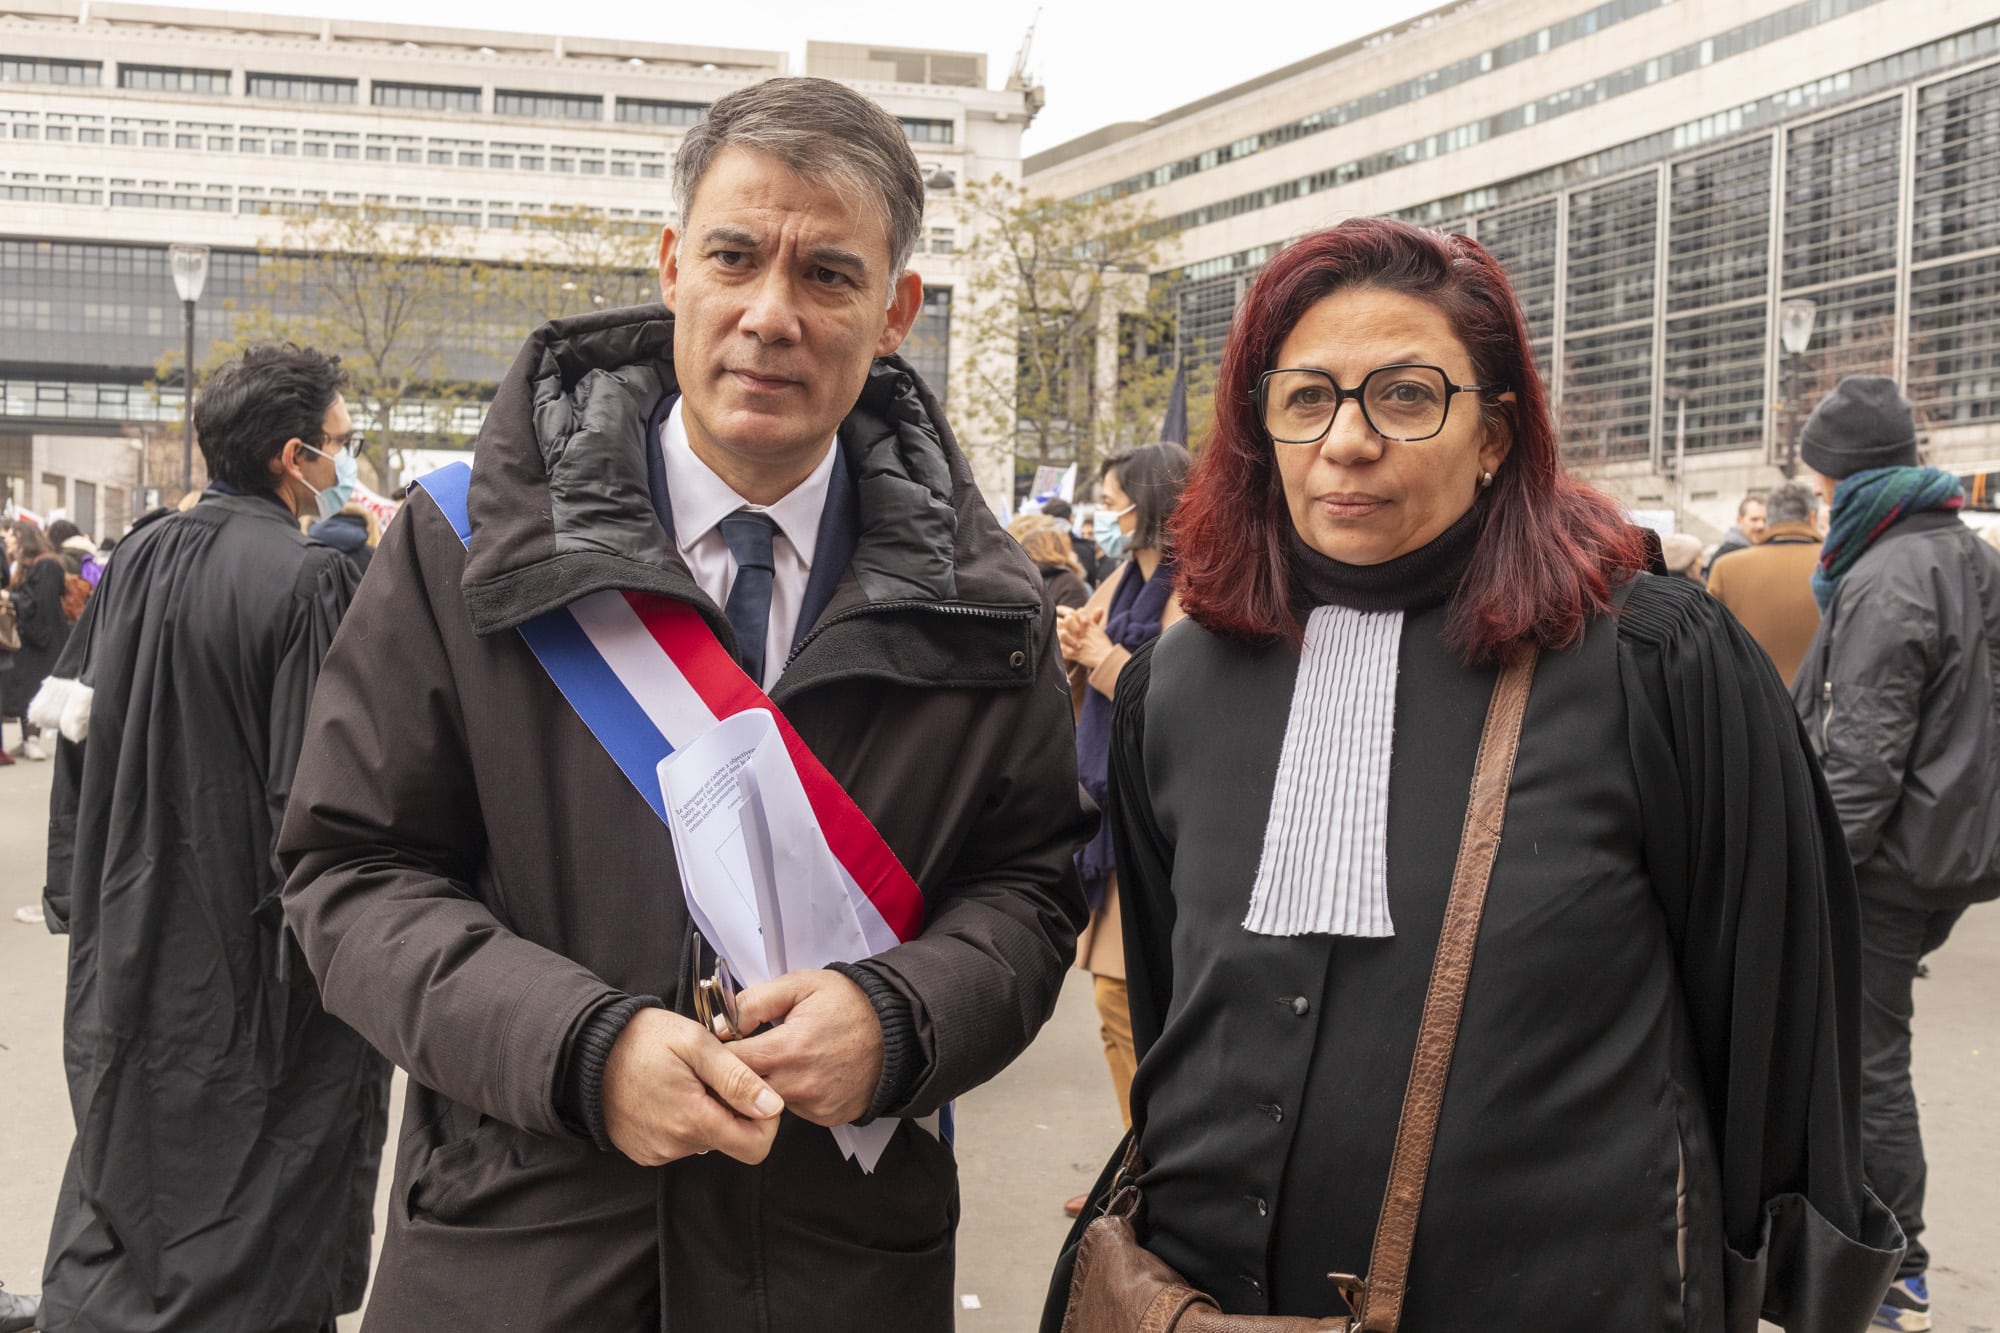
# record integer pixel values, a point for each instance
(1039, 1132)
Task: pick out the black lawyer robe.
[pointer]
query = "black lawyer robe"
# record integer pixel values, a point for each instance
(228, 1129)
(1659, 1036)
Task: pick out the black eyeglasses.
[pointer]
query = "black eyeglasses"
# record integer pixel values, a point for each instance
(350, 443)
(1404, 403)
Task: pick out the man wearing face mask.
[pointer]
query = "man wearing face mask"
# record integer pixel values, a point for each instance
(228, 1129)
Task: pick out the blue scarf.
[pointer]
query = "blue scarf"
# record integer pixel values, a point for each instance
(1132, 619)
(1866, 505)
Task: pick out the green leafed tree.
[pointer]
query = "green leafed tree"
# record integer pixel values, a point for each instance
(576, 259)
(417, 321)
(1072, 341)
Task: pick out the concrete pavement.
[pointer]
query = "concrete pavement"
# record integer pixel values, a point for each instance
(1039, 1132)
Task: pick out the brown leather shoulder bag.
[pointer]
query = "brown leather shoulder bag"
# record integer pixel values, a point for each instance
(1121, 1287)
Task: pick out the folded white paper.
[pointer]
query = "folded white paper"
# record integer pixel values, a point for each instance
(761, 883)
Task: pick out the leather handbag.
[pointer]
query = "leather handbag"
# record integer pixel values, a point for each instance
(10, 629)
(1119, 1286)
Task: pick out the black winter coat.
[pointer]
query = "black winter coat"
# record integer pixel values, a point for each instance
(1900, 692)
(38, 611)
(473, 878)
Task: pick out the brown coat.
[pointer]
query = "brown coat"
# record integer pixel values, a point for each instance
(1768, 587)
(472, 875)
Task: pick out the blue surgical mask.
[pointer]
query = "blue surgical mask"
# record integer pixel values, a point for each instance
(345, 474)
(1104, 529)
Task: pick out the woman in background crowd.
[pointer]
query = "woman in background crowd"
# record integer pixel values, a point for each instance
(1138, 490)
(1087, 555)
(79, 553)
(1046, 541)
(35, 592)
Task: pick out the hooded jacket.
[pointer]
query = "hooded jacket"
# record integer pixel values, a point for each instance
(1900, 692)
(474, 881)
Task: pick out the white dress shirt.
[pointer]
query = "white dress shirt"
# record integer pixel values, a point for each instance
(701, 500)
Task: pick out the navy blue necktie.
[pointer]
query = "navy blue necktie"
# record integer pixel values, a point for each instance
(748, 537)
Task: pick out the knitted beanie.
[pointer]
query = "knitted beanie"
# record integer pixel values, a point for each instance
(1681, 551)
(1864, 423)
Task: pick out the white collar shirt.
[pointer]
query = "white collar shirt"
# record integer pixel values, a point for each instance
(701, 500)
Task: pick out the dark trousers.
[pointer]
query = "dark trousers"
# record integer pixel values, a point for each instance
(1893, 940)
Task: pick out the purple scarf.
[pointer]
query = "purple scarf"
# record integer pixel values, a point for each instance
(1132, 619)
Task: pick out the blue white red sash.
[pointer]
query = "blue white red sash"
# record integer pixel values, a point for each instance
(648, 676)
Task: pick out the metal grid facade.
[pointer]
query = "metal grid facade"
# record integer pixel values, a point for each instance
(1663, 283)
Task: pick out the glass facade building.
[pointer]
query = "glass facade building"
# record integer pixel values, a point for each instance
(1652, 271)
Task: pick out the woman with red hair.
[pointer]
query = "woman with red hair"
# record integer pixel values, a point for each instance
(1650, 1116)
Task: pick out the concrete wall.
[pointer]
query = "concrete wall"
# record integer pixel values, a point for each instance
(109, 465)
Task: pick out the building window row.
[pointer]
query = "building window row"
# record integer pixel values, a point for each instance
(42, 69)
(172, 79)
(549, 106)
(927, 131)
(425, 96)
(281, 87)
(338, 145)
(301, 88)
(643, 111)
(1521, 48)
(1696, 55)
(249, 200)
(85, 401)
(27, 187)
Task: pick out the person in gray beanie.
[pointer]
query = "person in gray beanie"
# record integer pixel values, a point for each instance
(1898, 692)
(1864, 423)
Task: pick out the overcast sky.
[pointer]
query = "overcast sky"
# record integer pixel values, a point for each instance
(1101, 60)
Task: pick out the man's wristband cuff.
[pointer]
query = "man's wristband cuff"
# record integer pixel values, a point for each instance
(902, 1053)
(582, 1103)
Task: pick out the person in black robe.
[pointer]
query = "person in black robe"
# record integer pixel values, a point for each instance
(1651, 1115)
(228, 1131)
(35, 592)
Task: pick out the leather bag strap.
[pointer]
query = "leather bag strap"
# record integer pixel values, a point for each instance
(1416, 1133)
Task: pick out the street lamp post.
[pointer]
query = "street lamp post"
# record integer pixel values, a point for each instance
(1795, 330)
(190, 266)
(1679, 397)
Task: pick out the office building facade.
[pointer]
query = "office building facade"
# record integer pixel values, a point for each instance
(125, 128)
(1660, 177)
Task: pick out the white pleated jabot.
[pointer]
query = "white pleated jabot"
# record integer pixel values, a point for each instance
(1324, 868)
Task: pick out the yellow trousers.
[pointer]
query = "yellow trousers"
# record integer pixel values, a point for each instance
(1114, 1017)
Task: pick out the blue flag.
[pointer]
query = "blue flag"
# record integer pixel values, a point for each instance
(1174, 429)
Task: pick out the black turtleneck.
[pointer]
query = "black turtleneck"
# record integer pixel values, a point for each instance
(1412, 581)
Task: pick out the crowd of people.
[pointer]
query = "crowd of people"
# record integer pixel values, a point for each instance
(1521, 944)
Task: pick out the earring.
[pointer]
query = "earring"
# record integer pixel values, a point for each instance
(1485, 480)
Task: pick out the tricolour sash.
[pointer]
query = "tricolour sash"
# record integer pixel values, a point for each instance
(648, 676)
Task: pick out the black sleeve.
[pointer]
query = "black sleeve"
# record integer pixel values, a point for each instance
(1750, 868)
(1145, 858)
(38, 604)
(70, 680)
(320, 598)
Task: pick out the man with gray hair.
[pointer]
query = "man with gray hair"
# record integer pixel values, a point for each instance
(743, 490)
(1769, 586)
